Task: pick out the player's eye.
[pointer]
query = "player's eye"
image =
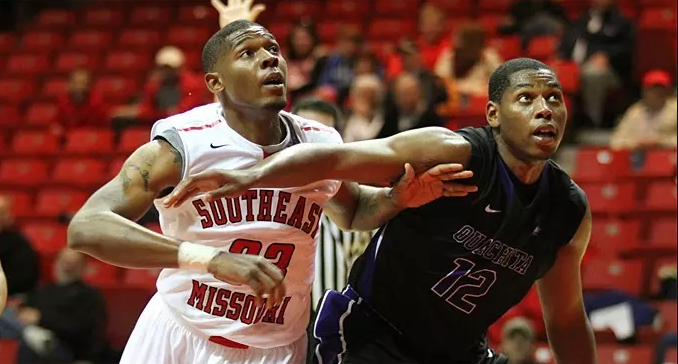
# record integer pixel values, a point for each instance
(274, 49)
(246, 53)
(524, 98)
(554, 98)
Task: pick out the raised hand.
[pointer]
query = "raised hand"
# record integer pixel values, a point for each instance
(237, 10)
(414, 191)
(216, 183)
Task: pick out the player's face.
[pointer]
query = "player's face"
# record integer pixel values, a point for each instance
(253, 72)
(532, 115)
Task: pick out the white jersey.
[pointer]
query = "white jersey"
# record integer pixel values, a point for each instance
(279, 224)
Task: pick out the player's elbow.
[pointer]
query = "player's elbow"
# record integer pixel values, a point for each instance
(77, 235)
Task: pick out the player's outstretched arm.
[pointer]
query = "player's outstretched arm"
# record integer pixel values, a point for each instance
(105, 229)
(373, 161)
(3, 289)
(560, 292)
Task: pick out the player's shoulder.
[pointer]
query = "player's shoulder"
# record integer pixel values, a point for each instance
(576, 197)
(477, 136)
(314, 131)
(198, 118)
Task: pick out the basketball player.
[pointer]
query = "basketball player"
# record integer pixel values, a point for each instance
(222, 257)
(436, 277)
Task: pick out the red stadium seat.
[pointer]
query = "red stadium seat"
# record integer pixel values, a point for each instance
(329, 31)
(131, 139)
(35, 142)
(127, 61)
(43, 113)
(52, 202)
(659, 163)
(611, 198)
(495, 6)
(141, 278)
(7, 42)
(595, 165)
(507, 47)
(543, 48)
(348, 9)
(89, 140)
(42, 41)
(668, 315)
(402, 8)
(601, 274)
(140, 38)
(102, 17)
(295, 10)
(47, 238)
(79, 172)
(197, 14)
(27, 64)
(568, 74)
(661, 196)
(10, 116)
(91, 40)
(26, 172)
(391, 29)
(609, 237)
(280, 30)
(151, 15)
(188, 36)
(21, 203)
(116, 89)
(491, 23)
(123, 305)
(193, 61)
(55, 18)
(68, 61)
(663, 231)
(456, 8)
(54, 87)
(114, 167)
(16, 90)
(616, 354)
(662, 18)
(101, 274)
(9, 350)
(671, 356)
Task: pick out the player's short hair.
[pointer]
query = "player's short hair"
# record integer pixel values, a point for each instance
(319, 105)
(500, 79)
(220, 42)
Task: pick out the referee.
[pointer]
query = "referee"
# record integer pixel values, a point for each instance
(336, 249)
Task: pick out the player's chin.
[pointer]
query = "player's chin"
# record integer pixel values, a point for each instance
(273, 102)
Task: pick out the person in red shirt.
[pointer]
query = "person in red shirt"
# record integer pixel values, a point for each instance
(79, 106)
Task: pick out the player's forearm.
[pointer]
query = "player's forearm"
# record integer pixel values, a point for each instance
(375, 208)
(3, 290)
(111, 238)
(573, 343)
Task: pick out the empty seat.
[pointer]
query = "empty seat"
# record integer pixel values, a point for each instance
(28, 64)
(55, 18)
(595, 165)
(85, 172)
(458, 8)
(491, 23)
(603, 274)
(661, 18)
(131, 139)
(89, 140)
(21, 203)
(611, 198)
(47, 238)
(507, 47)
(52, 202)
(35, 142)
(659, 163)
(151, 15)
(402, 8)
(114, 167)
(9, 350)
(91, 39)
(568, 75)
(7, 42)
(188, 36)
(141, 278)
(543, 48)
(127, 61)
(68, 61)
(140, 38)
(102, 17)
(16, 89)
(10, 116)
(42, 41)
(101, 274)
(295, 10)
(280, 30)
(609, 237)
(200, 14)
(348, 9)
(495, 6)
(391, 29)
(661, 196)
(25, 172)
(616, 354)
(329, 31)
(663, 231)
(54, 87)
(42, 113)
(667, 312)
(116, 89)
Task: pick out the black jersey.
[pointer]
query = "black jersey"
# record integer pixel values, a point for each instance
(442, 273)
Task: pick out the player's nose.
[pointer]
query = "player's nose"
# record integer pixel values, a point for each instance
(270, 61)
(542, 110)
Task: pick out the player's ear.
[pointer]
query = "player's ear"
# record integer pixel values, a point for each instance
(214, 83)
(492, 114)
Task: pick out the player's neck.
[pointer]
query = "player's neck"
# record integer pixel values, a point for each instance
(259, 127)
(526, 172)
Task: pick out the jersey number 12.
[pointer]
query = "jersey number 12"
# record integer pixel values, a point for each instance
(463, 284)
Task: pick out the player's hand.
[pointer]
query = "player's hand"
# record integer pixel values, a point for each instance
(217, 183)
(257, 272)
(237, 10)
(414, 191)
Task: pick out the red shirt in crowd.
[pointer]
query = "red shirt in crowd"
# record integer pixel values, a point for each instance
(92, 111)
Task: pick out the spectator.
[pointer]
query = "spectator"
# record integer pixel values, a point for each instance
(61, 322)
(366, 101)
(367, 64)
(305, 59)
(339, 69)
(432, 86)
(602, 42)
(79, 105)
(406, 108)
(518, 341)
(20, 261)
(173, 90)
(650, 122)
(533, 18)
(321, 111)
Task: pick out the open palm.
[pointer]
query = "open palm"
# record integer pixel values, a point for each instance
(237, 10)
(440, 181)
